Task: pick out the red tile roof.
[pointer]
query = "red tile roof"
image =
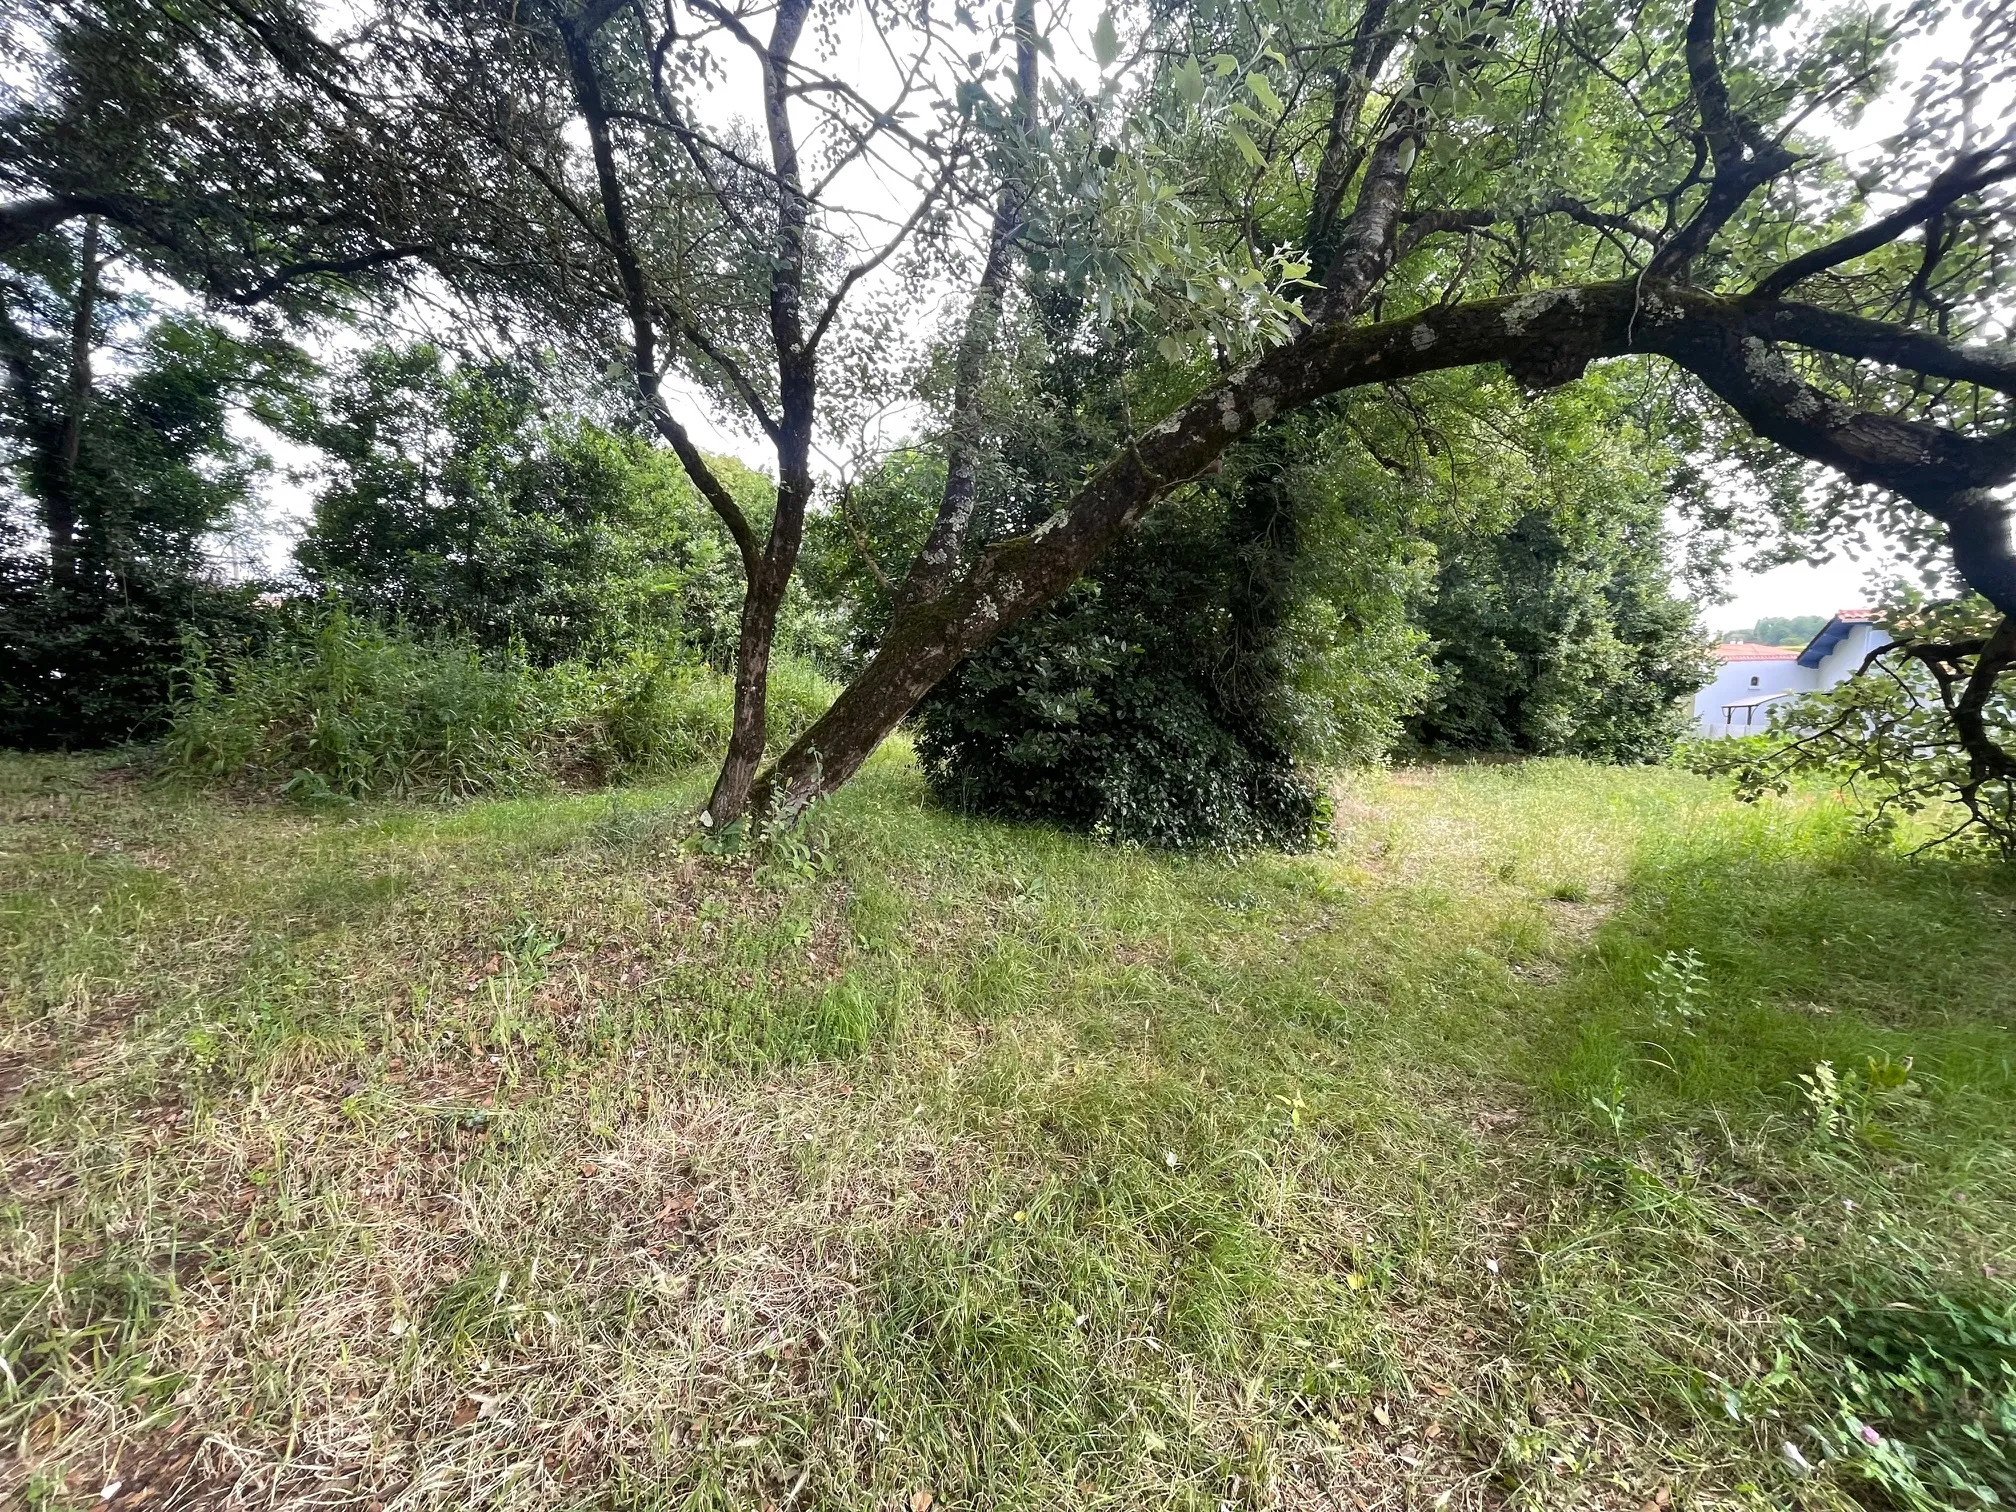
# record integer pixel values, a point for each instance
(1749, 651)
(1855, 616)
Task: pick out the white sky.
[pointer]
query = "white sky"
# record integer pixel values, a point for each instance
(1796, 589)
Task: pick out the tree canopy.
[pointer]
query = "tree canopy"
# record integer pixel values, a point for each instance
(1270, 204)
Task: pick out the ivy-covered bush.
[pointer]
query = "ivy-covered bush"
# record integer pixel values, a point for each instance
(1064, 721)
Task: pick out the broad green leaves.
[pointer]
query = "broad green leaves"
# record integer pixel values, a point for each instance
(1105, 41)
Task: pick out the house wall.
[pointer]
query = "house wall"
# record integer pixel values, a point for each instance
(1733, 683)
(1843, 661)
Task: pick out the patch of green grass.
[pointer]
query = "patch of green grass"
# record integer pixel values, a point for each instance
(513, 1155)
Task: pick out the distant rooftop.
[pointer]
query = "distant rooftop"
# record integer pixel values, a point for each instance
(1749, 651)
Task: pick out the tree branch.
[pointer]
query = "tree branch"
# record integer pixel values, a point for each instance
(1743, 157)
(637, 297)
(1966, 175)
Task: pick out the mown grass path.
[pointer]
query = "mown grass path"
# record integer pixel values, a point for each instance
(511, 1156)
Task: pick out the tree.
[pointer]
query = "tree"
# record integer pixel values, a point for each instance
(1743, 213)
(456, 498)
(1285, 208)
(1556, 628)
(120, 464)
(1561, 638)
(728, 255)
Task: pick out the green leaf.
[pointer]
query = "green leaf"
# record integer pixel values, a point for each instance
(1246, 148)
(1105, 40)
(1223, 64)
(1264, 93)
(1187, 79)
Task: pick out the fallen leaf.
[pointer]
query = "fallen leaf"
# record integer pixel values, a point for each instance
(920, 1501)
(465, 1415)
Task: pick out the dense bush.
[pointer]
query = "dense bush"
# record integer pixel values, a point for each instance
(344, 708)
(1175, 696)
(1064, 722)
(89, 666)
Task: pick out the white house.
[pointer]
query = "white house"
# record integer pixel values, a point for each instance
(1753, 678)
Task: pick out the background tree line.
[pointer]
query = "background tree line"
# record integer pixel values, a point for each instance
(1189, 269)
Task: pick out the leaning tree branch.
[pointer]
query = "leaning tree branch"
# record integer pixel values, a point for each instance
(1544, 338)
(1968, 174)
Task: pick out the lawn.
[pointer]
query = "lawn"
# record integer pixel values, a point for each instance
(1561, 1137)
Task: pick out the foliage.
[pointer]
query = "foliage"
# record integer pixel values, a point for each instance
(82, 669)
(1223, 196)
(1284, 608)
(1256, 621)
(1927, 727)
(1065, 722)
(342, 708)
(461, 498)
(1561, 637)
(121, 468)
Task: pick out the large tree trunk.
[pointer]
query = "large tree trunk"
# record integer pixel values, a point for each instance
(1544, 339)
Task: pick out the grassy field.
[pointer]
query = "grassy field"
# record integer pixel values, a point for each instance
(1564, 1137)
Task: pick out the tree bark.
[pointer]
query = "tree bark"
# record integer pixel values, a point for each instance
(1544, 339)
(61, 507)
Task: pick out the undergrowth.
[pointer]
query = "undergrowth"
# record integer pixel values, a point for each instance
(346, 708)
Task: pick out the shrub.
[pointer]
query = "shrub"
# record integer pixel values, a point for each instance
(1062, 722)
(346, 708)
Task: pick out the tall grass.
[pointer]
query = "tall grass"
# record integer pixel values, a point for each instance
(351, 709)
